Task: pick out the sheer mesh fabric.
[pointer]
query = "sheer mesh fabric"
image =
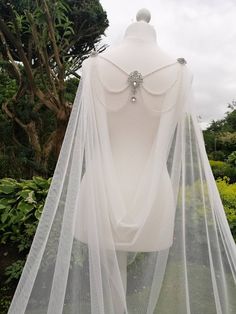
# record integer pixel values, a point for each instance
(91, 255)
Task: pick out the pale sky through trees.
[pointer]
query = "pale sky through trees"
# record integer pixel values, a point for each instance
(203, 32)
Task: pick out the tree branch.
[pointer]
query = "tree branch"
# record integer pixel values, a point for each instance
(12, 116)
(18, 45)
(46, 100)
(42, 52)
(61, 69)
(12, 62)
(52, 35)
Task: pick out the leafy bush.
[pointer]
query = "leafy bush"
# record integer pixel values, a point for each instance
(228, 195)
(221, 169)
(14, 270)
(217, 155)
(232, 158)
(21, 205)
(5, 300)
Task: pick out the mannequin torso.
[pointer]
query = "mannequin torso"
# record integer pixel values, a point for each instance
(133, 127)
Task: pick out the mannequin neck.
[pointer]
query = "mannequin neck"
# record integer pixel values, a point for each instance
(140, 32)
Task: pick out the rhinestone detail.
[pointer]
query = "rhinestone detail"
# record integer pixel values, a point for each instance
(181, 60)
(135, 79)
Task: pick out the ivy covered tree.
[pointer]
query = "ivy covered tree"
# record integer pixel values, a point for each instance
(42, 45)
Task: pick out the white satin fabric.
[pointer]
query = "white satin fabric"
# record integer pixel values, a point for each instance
(162, 247)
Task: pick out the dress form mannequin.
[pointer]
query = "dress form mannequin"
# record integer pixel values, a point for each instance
(132, 129)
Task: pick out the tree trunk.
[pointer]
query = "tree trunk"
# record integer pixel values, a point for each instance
(55, 140)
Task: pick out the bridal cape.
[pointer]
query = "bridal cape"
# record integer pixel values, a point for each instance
(94, 254)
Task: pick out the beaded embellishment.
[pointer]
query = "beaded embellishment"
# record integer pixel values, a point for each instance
(135, 79)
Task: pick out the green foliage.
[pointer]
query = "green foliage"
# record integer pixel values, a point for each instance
(71, 87)
(228, 123)
(228, 195)
(14, 271)
(8, 86)
(222, 169)
(226, 141)
(78, 26)
(5, 299)
(217, 155)
(16, 154)
(21, 205)
(42, 45)
(220, 136)
(232, 158)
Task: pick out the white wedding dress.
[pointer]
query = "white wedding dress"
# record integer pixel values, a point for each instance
(168, 247)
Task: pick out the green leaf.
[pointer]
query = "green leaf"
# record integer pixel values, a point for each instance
(4, 217)
(9, 181)
(5, 201)
(37, 214)
(14, 271)
(40, 182)
(28, 184)
(7, 189)
(25, 207)
(28, 196)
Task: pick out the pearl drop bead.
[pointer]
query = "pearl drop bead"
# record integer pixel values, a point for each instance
(133, 99)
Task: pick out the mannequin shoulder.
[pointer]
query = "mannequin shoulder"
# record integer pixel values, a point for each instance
(187, 69)
(87, 61)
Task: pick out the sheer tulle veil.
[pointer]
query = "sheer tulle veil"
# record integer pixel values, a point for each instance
(84, 257)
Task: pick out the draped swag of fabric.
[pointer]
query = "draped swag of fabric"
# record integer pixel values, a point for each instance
(91, 255)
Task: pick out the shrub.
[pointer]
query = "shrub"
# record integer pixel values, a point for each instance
(221, 169)
(232, 158)
(21, 205)
(228, 196)
(217, 155)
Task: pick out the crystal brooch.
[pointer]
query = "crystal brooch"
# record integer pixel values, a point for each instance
(135, 79)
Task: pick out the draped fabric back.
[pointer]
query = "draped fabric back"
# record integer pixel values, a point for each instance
(90, 254)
